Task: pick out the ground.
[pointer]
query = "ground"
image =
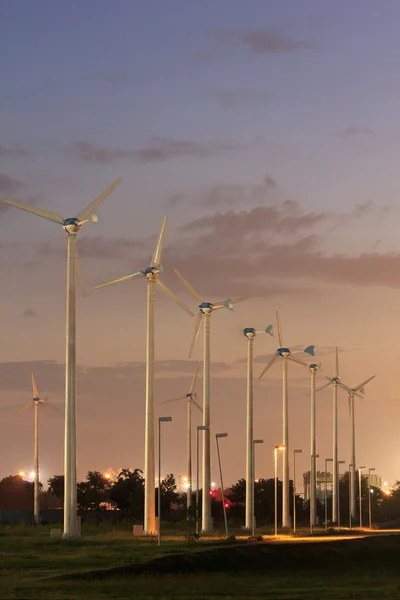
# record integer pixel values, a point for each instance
(106, 564)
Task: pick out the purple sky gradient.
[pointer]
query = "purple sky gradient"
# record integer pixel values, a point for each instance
(270, 133)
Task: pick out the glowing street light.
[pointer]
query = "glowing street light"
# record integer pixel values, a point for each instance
(160, 420)
(217, 437)
(253, 519)
(21, 473)
(294, 487)
(369, 496)
(276, 450)
(360, 492)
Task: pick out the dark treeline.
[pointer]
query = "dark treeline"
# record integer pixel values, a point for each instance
(126, 494)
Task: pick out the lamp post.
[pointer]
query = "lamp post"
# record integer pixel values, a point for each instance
(253, 518)
(360, 492)
(294, 487)
(281, 447)
(199, 428)
(369, 496)
(351, 467)
(217, 437)
(340, 462)
(160, 420)
(326, 492)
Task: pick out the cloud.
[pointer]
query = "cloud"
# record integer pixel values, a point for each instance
(10, 185)
(158, 150)
(238, 98)
(28, 312)
(357, 131)
(267, 41)
(12, 152)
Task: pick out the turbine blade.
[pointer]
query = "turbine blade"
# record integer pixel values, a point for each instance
(325, 385)
(89, 210)
(34, 387)
(345, 387)
(271, 362)
(192, 385)
(25, 407)
(297, 360)
(51, 406)
(280, 334)
(173, 399)
(218, 305)
(337, 363)
(40, 212)
(79, 273)
(349, 398)
(197, 405)
(158, 249)
(310, 350)
(196, 331)
(229, 303)
(359, 387)
(171, 295)
(137, 275)
(187, 285)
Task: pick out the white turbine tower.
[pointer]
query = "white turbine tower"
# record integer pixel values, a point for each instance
(250, 333)
(205, 311)
(151, 274)
(352, 392)
(286, 354)
(335, 382)
(313, 447)
(72, 227)
(35, 402)
(191, 399)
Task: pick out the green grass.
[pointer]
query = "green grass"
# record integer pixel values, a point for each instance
(35, 566)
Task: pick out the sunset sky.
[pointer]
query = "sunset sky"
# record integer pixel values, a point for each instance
(269, 131)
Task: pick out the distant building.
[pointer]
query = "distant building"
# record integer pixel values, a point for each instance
(326, 479)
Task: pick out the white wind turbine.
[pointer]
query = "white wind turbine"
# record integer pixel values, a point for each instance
(286, 354)
(352, 392)
(151, 274)
(205, 311)
(72, 227)
(335, 382)
(36, 402)
(250, 333)
(191, 399)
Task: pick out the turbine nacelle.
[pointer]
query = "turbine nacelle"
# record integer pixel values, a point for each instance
(284, 352)
(335, 379)
(249, 332)
(206, 308)
(314, 368)
(152, 273)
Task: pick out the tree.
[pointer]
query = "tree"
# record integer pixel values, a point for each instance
(128, 493)
(93, 492)
(169, 494)
(15, 493)
(56, 486)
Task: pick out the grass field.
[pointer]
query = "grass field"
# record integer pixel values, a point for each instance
(106, 564)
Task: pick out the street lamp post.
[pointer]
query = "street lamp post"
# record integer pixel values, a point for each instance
(326, 492)
(360, 492)
(253, 516)
(340, 462)
(369, 496)
(217, 437)
(160, 420)
(281, 447)
(294, 487)
(199, 428)
(313, 511)
(351, 466)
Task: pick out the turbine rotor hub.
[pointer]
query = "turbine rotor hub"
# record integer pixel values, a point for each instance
(249, 332)
(151, 273)
(314, 368)
(335, 379)
(206, 308)
(284, 352)
(72, 225)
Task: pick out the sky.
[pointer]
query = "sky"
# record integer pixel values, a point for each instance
(270, 134)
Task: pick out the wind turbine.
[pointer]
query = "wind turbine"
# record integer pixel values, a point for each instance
(250, 333)
(313, 368)
(151, 274)
(352, 392)
(72, 227)
(191, 399)
(36, 401)
(205, 311)
(335, 382)
(286, 354)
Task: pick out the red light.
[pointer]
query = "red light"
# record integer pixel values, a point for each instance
(210, 493)
(226, 505)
